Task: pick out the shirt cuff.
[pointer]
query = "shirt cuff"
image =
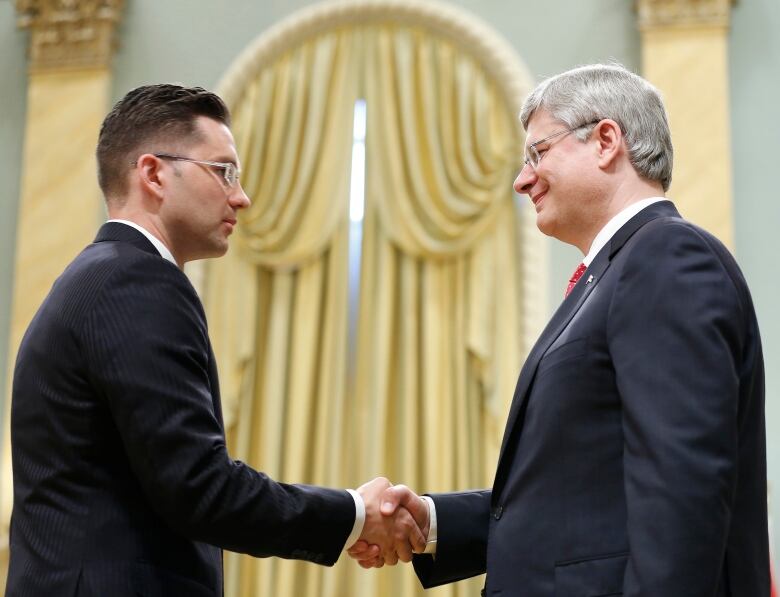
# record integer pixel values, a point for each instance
(433, 526)
(360, 519)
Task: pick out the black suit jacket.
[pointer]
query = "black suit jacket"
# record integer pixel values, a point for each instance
(122, 482)
(633, 461)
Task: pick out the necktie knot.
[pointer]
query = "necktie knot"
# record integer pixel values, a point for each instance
(575, 277)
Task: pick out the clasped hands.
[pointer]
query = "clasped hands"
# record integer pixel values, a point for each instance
(396, 526)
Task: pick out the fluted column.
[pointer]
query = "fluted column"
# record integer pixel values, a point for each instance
(685, 54)
(70, 49)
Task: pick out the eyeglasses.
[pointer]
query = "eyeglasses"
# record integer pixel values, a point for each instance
(534, 156)
(229, 171)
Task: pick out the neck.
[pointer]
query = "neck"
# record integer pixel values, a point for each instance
(627, 193)
(147, 221)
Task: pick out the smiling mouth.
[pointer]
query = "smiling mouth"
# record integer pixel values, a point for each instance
(536, 199)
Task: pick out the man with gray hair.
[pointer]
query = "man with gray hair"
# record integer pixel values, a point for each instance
(633, 461)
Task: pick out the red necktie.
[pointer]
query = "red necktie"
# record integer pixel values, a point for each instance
(574, 277)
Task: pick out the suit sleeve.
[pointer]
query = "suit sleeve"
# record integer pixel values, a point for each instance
(461, 547)
(676, 334)
(147, 345)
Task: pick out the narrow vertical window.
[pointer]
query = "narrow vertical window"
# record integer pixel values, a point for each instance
(357, 191)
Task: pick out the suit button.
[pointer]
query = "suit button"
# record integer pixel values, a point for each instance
(497, 512)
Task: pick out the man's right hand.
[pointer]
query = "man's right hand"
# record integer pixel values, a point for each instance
(397, 524)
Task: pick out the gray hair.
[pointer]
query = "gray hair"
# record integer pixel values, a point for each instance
(591, 93)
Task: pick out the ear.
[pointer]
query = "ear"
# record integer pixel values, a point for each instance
(150, 176)
(609, 139)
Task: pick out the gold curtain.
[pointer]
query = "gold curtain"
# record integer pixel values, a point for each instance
(438, 331)
(439, 334)
(277, 303)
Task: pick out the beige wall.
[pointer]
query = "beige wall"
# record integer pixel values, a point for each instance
(13, 98)
(755, 138)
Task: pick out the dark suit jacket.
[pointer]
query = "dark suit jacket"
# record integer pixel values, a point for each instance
(633, 461)
(122, 483)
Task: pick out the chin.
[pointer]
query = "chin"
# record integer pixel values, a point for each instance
(544, 225)
(212, 252)
(218, 246)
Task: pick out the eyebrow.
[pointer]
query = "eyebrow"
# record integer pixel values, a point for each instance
(542, 140)
(226, 160)
(535, 142)
(527, 147)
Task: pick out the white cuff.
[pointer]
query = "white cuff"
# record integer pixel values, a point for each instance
(433, 526)
(360, 519)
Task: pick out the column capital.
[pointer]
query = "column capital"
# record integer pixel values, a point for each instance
(663, 14)
(67, 34)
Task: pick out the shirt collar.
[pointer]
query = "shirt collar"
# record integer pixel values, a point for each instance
(158, 244)
(615, 224)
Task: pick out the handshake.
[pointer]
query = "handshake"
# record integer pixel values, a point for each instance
(396, 526)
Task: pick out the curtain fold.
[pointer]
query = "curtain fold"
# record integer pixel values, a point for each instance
(439, 333)
(276, 304)
(439, 339)
(296, 125)
(429, 128)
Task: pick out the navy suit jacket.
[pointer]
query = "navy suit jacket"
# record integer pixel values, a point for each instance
(122, 482)
(633, 461)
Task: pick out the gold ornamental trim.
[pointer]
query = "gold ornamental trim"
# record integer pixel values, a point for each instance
(68, 34)
(658, 14)
(464, 29)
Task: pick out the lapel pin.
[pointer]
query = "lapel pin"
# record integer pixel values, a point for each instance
(589, 280)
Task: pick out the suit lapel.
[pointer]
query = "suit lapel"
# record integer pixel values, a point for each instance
(556, 325)
(563, 316)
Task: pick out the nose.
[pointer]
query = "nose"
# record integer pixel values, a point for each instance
(525, 180)
(238, 198)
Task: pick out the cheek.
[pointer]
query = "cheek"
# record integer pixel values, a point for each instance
(569, 184)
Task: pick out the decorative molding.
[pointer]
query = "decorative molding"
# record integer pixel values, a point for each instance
(67, 34)
(658, 14)
(494, 54)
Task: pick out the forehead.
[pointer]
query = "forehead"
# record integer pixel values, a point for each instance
(215, 139)
(540, 125)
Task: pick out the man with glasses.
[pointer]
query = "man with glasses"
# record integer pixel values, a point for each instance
(122, 482)
(633, 461)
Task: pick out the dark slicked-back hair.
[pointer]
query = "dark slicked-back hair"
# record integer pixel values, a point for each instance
(150, 118)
